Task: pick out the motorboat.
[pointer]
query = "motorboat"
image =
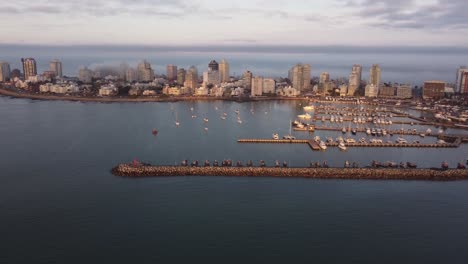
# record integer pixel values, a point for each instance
(275, 136)
(317, 138)
(343, 130)
(350, 140)
(223, 117)
(205, 120)
(441, 141)
(428, 131)
(354, 131)
(401, 140)
(309, 108)
(342, 146)
(368, 131)
(154, 132)
(305, 116)
(322, 145)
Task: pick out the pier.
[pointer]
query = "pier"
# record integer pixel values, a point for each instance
(128, 170)
(314, 145)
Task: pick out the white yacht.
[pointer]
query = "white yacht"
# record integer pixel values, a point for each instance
(309, 108)
(401, 140)
(342, 146)
(368, 131)
(205, 120)
(441, 141)
(428, 131)
(322, 145)
(305, 116)
(350, 140)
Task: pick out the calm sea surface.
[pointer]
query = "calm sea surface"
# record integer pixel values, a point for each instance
(60, 204)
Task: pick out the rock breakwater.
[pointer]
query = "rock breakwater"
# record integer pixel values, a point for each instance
(129, 170)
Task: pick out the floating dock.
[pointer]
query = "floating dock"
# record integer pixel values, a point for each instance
(129, 170)
(314, 145)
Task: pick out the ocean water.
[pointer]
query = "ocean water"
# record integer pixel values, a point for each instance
(398, 65)
(60, 203)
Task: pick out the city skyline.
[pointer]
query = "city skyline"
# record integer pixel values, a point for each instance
(260, 22)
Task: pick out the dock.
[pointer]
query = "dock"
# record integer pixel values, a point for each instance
(315, 146)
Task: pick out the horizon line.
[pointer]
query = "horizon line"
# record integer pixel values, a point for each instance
(261, 48)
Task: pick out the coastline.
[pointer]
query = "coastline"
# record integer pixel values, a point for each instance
(10, 93)
(127, 170)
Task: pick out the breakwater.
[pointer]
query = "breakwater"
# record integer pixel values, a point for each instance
(130, 170)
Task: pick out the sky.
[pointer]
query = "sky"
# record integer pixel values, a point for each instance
(240, 22)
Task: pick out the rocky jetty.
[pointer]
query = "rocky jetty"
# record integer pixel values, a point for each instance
(130, 170)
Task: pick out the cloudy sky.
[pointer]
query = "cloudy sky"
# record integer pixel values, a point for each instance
(240, 22)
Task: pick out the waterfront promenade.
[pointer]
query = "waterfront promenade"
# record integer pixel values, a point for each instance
(129, 170)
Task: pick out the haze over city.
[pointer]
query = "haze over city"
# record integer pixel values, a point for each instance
(258, 22)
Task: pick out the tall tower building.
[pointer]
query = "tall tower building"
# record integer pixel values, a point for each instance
(29, 67)
(4, 71)
(56, 67)
(131, 75)
(191, 78)
(224, 71)
(85, 75)
(375, 75)
(171, 71)
(353, 83)
(213, 65)
(247, 79)
(257, 86)
(301, 77)
(145, 72)
(462, 82)
(358, 70)
(211, 77)
(181, 76)
(324, 77)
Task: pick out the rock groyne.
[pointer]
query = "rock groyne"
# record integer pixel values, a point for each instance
(129, 170)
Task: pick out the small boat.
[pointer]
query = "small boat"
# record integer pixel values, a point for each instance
(275, 136)
(445, 165)
(207, 163)
(342, 146)
(422, 135)
(343, 130)
(205, 120)
(277, 164)
(237, 111)
(285, 164)
(184, 163)
(441, 141)
(354, 131)
(154, 132)
(249, 163)
(461, 166)
(191, 109)
(428, 131)
(401, 140)
(215, 163)
(368, 131)
(206, 129)
(322, 145)
(177, 123)
(239, 121)
(350, 140)
(347, 164)
(223, 117)
(194, 116)
(309, 108)
(305, 116)
(262, 163)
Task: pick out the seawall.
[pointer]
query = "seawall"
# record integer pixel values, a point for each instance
(129, 170)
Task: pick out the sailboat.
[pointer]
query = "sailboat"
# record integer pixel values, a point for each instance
(289, 136)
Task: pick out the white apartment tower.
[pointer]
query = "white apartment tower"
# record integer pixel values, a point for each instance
(375, 74)
(301, 77)
(145, 72)
(257, 86)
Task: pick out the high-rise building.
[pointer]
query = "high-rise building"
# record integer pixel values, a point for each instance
(257, 86)
(29, 67)
(131, 75)
(4, 71)
(324, 77)
(375, 74)
(269, 86)
(213, 65)
(301, 77)
(371, 90)
(123, 71)
(145, 72)
(224, 71)
(433, 89)
(358, 70)
(171, 72)
(353, 83)
(191, 78)
(247, 79)
(462, 82)
(181, 76)
(85, 75)
(56, 67)
(211, 77)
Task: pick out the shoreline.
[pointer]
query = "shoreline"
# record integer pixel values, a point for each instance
(10, 93)
(128, 170)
